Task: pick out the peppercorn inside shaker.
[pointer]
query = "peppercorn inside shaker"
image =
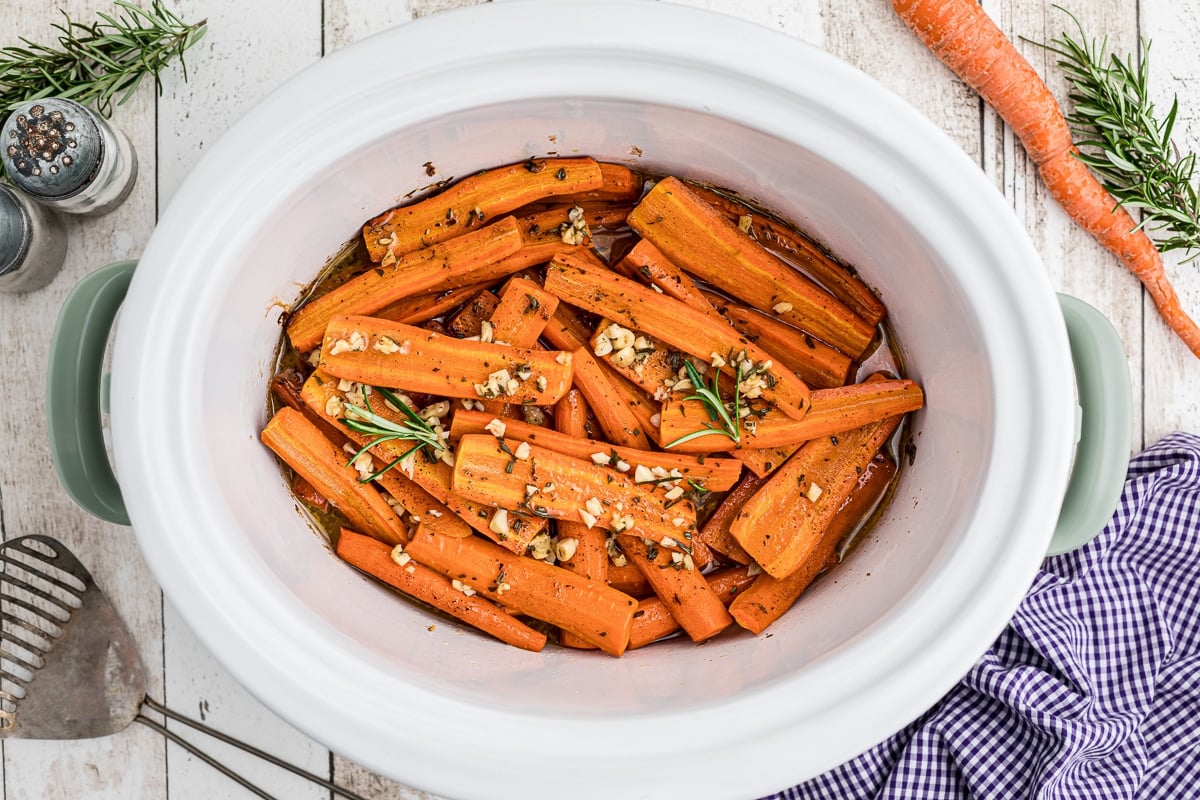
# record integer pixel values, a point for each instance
(33, 243)
(68, 157)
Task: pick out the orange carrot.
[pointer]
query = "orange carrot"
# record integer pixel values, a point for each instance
(841, 281)
(713, 474)
(582, 282)
(621, 184)
(382, 353)
(962, 35)
(609, 402)
(566, 330)
(424, 307)
(468, 203)
(628, 579)
(702, 241)
(715, 532)
(468, 259)
(523, 311)
(469, 319)
(421, 583)
(307, 493)
(303, 447)
(680, 586)
(764, 461)
(781, 524)
(831, 412)
(654, 268)
(543, 483)
(592, 610)
(652, 620)
(768, 598)
(590, 558)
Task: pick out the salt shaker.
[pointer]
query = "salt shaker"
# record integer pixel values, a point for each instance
(33, 243)
(68, 157)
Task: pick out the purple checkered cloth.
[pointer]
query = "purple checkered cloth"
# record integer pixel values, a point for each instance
(1092, 691)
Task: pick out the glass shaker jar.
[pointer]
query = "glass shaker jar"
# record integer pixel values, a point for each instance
(67, 156)
(33, 243)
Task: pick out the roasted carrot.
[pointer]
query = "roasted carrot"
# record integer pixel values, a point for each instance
(653, 620)
(469, 319)
(621, 184)
(655, 269)
(554, 223)
(715, 532)
(962, 35)
(703, 242)
(609, 402)
(831, 412)
(768, 598)
(655, 364)
(781, 525)
(523, 312)
(383, 353)
(308, 493)
(841, 281)
(590, 557)
(468, 203)
(287, 387)
(421, 583)
(713, 474)
(591, 610)
(579, 281)
(540, 482)
(303, 447)
(766, 460)
(424, 307)
(628, 579)
(566, 330)
(681, 587)
(469, 259)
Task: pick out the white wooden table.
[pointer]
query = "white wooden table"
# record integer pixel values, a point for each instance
(252, 46)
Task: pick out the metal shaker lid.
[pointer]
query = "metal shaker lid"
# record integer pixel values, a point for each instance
(51, 148)
(14, 231)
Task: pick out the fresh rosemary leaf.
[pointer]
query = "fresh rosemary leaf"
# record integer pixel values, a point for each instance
(413, 429)
(709, 397)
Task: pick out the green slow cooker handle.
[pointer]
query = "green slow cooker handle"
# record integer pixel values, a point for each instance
(1102, 426)
(75, 391)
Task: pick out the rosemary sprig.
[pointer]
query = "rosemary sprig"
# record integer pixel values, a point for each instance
(1123, 141)
(100, 62)
(720, 421)
(368, 423)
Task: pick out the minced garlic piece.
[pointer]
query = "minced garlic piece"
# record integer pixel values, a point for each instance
(600, 458)
(563, 358)
(459, 586)
(620, 337)
(399, 556)
(355, 344)
(496, 428)
(744, 222)
(587, 518)
(575, 230)
(679, 522)
(642, 475)
(624, 357)
(499, 523)
(782, 308)
(674, 494)
(334, 406)
(487, 331)
(717, 360)
(387, 345)
(623, 466)
(602, 346)
(541, 547)
(522, 452)
(594, 507)
(345, 385)
(814, 492)
(564, 549)
(542, 383)
(667, 541)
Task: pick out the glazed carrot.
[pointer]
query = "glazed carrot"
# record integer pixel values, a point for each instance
(781, 524)
(468, 259)
(579, 281)
(655, 269)
(590, 558)
(715, 532)
(609, 402)
(621, 184)
(307, 493)
(655, 365)
(962, 35)
(551, 223)
(591, 610)
(682, 589)
(768, 598)
(303, 447)
(566, 330)
(817, 364)
(841, 281)
(383, 353)
(483, 196)
(421, 583)
(831, 412)
(702, 241)
(288, 387)
(543, 483)
(628, 579)
(523, 312)
(714, 474)
(469, 319)
(765, 461)
(652, 620)
(424, 307)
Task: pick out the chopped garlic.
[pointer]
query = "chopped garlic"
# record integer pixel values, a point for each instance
(600, 458)
(593, 506)
(602, 346)
(542, 383)
(782, 308)
(814, 492)
(674, 494)
(496, 428)
(522, 452)
(744, 222)
(334, 406)
(679, 522)
(565, 548)
(459, 586)
(624, 357)
(486, 331)
(587, 518)
(667, 541)
(563, 358)
(621, 338)
(541, 547)
(623, 466)
(642, 475)
(387, 345)
(499, 523)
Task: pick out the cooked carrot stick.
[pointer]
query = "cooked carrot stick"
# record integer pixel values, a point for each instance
(469, 319)
(551, 223)
(590, 558)
(383, 353)
(307, 493)
(654, 366)
(463, 261)
(582, 283)
(523, 312)
(768, 598)
(682, 589)
(765, 461)
(303, 447)
(424, 307)
(817, 364)
(841, 281)
(781, 524)
(713, 474)
(608, 401)
(655, 269)
(287, 387)
(831, 412)
(591, 610)
(566, 330)
(468, 203)
(538, 481)
(628, 579)
(421, 583)
(962, 35)
(715, 532)
(653, 620)
(621, 184)
(702, 241)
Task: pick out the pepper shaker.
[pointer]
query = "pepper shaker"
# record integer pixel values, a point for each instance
(68, 157)
(33, 243)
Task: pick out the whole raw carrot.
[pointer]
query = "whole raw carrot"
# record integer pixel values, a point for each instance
(681, 587)
(653, 620)
(422, 583)
(962, 35)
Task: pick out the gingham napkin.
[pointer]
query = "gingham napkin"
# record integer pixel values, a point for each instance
(1092, 691)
